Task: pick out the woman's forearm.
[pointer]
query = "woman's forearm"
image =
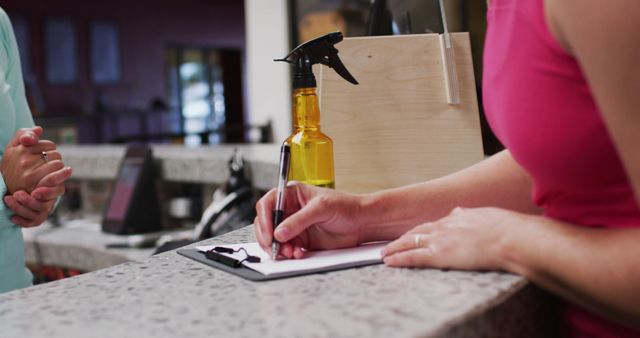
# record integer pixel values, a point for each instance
(598, 268)
(498, 181)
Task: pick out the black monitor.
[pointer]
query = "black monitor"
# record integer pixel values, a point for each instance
(133, 206)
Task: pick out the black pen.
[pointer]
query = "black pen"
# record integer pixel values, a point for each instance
(278, 212)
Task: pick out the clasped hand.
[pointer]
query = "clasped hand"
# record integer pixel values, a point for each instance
(34, 181)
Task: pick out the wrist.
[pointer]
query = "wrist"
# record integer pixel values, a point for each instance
(362, 207)
(512, 245)
(372, 218)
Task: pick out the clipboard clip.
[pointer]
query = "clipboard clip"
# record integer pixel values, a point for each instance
(216, 254)
(449, 62)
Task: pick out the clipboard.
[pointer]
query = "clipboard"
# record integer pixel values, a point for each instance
(409, 132)
(255, 276)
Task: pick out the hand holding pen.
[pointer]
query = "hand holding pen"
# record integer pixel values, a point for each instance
(278, 212)
(316, 219)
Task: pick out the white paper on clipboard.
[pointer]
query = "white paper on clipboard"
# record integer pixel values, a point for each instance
(313, 260)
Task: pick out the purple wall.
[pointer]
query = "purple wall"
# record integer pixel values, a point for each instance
(146, 29)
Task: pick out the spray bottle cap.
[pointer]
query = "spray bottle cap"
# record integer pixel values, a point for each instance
(319, 50)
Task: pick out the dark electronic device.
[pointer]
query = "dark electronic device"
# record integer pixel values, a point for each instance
(398, 17)
(133, 206)
(235, 210)
(380, 19)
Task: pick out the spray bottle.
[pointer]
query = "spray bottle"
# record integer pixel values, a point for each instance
(311, 150)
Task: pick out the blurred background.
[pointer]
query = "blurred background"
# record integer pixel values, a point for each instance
(194, 71)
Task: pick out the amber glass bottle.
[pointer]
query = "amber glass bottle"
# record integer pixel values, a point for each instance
(311, 150)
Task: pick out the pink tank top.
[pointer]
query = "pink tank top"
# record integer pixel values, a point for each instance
(539, 104)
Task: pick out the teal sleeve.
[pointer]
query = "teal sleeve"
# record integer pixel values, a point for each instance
(13, 273)
(5, 213)
(14, 75)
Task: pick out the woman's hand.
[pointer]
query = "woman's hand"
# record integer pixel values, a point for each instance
(23, 164)
(468, 239)
(33, 209)
(44, 178)
(28, 211)
(316, 218)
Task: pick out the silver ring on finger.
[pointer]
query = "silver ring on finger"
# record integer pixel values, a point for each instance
(416, 240)
(44, 156)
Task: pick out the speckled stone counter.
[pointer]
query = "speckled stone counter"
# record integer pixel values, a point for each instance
(206, 164)
(79, 245)
(171, 296)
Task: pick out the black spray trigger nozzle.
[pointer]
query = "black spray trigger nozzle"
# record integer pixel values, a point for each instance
(319, 50)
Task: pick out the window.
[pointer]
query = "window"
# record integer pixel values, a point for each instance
(61, 48)
(105, 52)
(196, 88)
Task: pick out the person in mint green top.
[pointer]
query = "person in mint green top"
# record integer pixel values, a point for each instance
(32, 173)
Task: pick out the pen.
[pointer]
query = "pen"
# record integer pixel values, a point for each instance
(278, 212)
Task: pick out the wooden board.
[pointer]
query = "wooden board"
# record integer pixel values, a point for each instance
(396, 127)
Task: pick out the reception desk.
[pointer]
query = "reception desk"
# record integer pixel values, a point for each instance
(168, 295)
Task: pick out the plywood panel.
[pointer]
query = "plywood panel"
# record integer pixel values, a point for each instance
(396, 127)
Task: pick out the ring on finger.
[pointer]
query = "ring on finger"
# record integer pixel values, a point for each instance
(416, 240)
(44, 156)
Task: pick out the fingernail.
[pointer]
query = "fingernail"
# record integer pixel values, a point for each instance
(282, 234)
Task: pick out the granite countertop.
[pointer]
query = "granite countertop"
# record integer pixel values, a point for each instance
(205, 164)
(168, 295)
(79, 245)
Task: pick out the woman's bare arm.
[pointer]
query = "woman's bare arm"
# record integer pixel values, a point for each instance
(598, 268)
(497, 181)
